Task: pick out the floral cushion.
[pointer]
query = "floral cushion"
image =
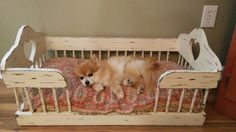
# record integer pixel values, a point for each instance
(86, 100)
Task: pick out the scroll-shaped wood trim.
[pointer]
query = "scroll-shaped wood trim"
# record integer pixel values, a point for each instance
(207, 60)
(38, 78)
(15, 56)
(189, 79)
(111, 44)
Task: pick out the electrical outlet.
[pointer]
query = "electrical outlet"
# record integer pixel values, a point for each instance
(209, 15)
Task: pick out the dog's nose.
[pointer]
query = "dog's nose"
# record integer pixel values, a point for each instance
(87, 82)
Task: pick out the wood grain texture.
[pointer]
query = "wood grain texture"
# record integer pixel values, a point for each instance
(159, 118)
(37, 78)
(111, 44)
(189, 79)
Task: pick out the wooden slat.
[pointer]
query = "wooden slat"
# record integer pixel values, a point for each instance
(55, 53)
(42, 100)
(125, 53)
(182, 61)
(205, 98)
(134, 53)
(64, 53)
(188, 79)
(91, 53)
(181, 100)
(158, 118)
(117, 53)
(38, 78)
(68, 100)
(100, 54)
(55, 99)
(120, 44)
(22, 94)
(159, 55)
(179, 59)
(73, 53)
(28, 100)
(142, 54)
(82, 54)
(16, 98)
(156, 99)
(167, 55)
(193, 100)
(168, 100)
(108, 54)
(150, 54)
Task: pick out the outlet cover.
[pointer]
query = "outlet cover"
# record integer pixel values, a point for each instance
(209, 15)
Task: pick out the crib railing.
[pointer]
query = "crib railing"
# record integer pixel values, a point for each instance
(161, 55)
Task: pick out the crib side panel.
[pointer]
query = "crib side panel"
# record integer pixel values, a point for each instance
(110, 44)
(16, 57)
(189, 79)
(36, 78)
(195, 49)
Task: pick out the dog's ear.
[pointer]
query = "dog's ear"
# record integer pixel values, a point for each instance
(95, 60)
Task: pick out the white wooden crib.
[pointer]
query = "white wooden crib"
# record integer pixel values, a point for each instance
(21, 70)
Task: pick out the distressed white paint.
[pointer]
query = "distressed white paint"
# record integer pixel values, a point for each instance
(205, 77)
(207, 60)
(189, 79)
(38, 78)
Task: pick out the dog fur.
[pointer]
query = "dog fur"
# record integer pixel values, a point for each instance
(117, 71)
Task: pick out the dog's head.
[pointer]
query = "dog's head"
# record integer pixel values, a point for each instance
(85, 70)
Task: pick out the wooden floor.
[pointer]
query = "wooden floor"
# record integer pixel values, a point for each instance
(214, 123)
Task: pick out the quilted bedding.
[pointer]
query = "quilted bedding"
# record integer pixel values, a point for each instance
(86, 101)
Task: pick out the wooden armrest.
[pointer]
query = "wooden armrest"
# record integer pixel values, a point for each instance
(38, 78)
(189, 79)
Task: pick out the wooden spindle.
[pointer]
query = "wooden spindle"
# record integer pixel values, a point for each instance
(150, 54)
(168, 100)
(142, 54)
(156, 99)
(100, 54)
(73, 53)
(167, 55)
(91, 53)
(125, 53)
(55, 99)
(117, 53)
(55, 53)
(82, 54)
(68, 100)
(16, 98)
(181, 100)
(28, 100)
(64, 52)
(108, 54)
(134, 53)
(205, 97)
(193, 100)
(42, 100)
(159, 55)
(179, 59)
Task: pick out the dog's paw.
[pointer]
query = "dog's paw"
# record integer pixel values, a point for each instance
(120, 94)
(140, 89)
(98, 87)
